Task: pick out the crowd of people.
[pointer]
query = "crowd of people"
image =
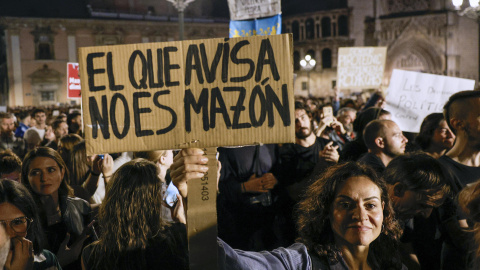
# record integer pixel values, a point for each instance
(352, 192)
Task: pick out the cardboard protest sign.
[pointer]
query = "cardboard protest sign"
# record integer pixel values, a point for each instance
(412, 96)
(252, 9)
(73, 81)
(360, 67)
(201, 93)
(202, 216)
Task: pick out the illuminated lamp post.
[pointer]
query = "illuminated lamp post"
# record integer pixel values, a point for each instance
(180, 5)
(473, 11)
(308, 64)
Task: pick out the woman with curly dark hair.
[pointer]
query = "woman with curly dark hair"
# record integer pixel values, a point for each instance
(435, 137)
(341, 219)
(346, 221)
(134, 234)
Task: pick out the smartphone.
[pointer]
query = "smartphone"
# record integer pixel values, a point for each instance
(170, 196)
(327, 111)
(101, 156)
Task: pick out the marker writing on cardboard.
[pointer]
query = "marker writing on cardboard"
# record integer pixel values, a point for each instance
(196, 60)
(103, 112)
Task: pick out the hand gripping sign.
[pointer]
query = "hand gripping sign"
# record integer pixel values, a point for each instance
(201, 93)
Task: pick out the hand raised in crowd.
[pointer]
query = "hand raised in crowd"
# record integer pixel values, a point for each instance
(260, 184)
(21, 256)
(68, 254)
(324, 122)
(99, 164)
(188, 164)
(330, 153)
(178, 211)
(338, 126)
(106, 166)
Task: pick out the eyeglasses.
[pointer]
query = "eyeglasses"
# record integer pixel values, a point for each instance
(19, 225)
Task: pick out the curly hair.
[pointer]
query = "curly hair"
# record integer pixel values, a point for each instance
(130, 215)
(314, 227)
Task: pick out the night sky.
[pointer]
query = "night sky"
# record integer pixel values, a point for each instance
(78, 8)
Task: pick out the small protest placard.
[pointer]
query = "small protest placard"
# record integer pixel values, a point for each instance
(252, 9)
(73, 81)
(412, 96)
(360, 67)
(202, 93)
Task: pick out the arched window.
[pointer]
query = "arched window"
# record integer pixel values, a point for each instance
(326, 58)
(296, 30)
(296, 60)
(343, 25)
(326, 27)
(310, 28)
(311, 53)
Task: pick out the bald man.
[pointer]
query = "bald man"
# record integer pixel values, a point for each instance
(384, 141)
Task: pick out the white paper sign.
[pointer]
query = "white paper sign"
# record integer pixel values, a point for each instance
(252, 9)
(412, 96)
(360, 67)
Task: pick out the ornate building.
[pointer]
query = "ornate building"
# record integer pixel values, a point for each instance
(36, 50)
(421, 35)
(318, 34)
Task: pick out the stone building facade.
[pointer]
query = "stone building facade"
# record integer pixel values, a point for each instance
(37, 50)
(318, 34)
(421, 35)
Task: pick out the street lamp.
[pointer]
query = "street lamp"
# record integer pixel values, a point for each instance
(180, 5)
(308, 64)
(473, 11)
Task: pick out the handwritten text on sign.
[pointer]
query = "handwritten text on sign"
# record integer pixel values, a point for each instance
(252, 9)
(201, 93)
(360, 67)
(412, 96)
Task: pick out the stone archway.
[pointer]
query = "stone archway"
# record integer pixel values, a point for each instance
(415, 54)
